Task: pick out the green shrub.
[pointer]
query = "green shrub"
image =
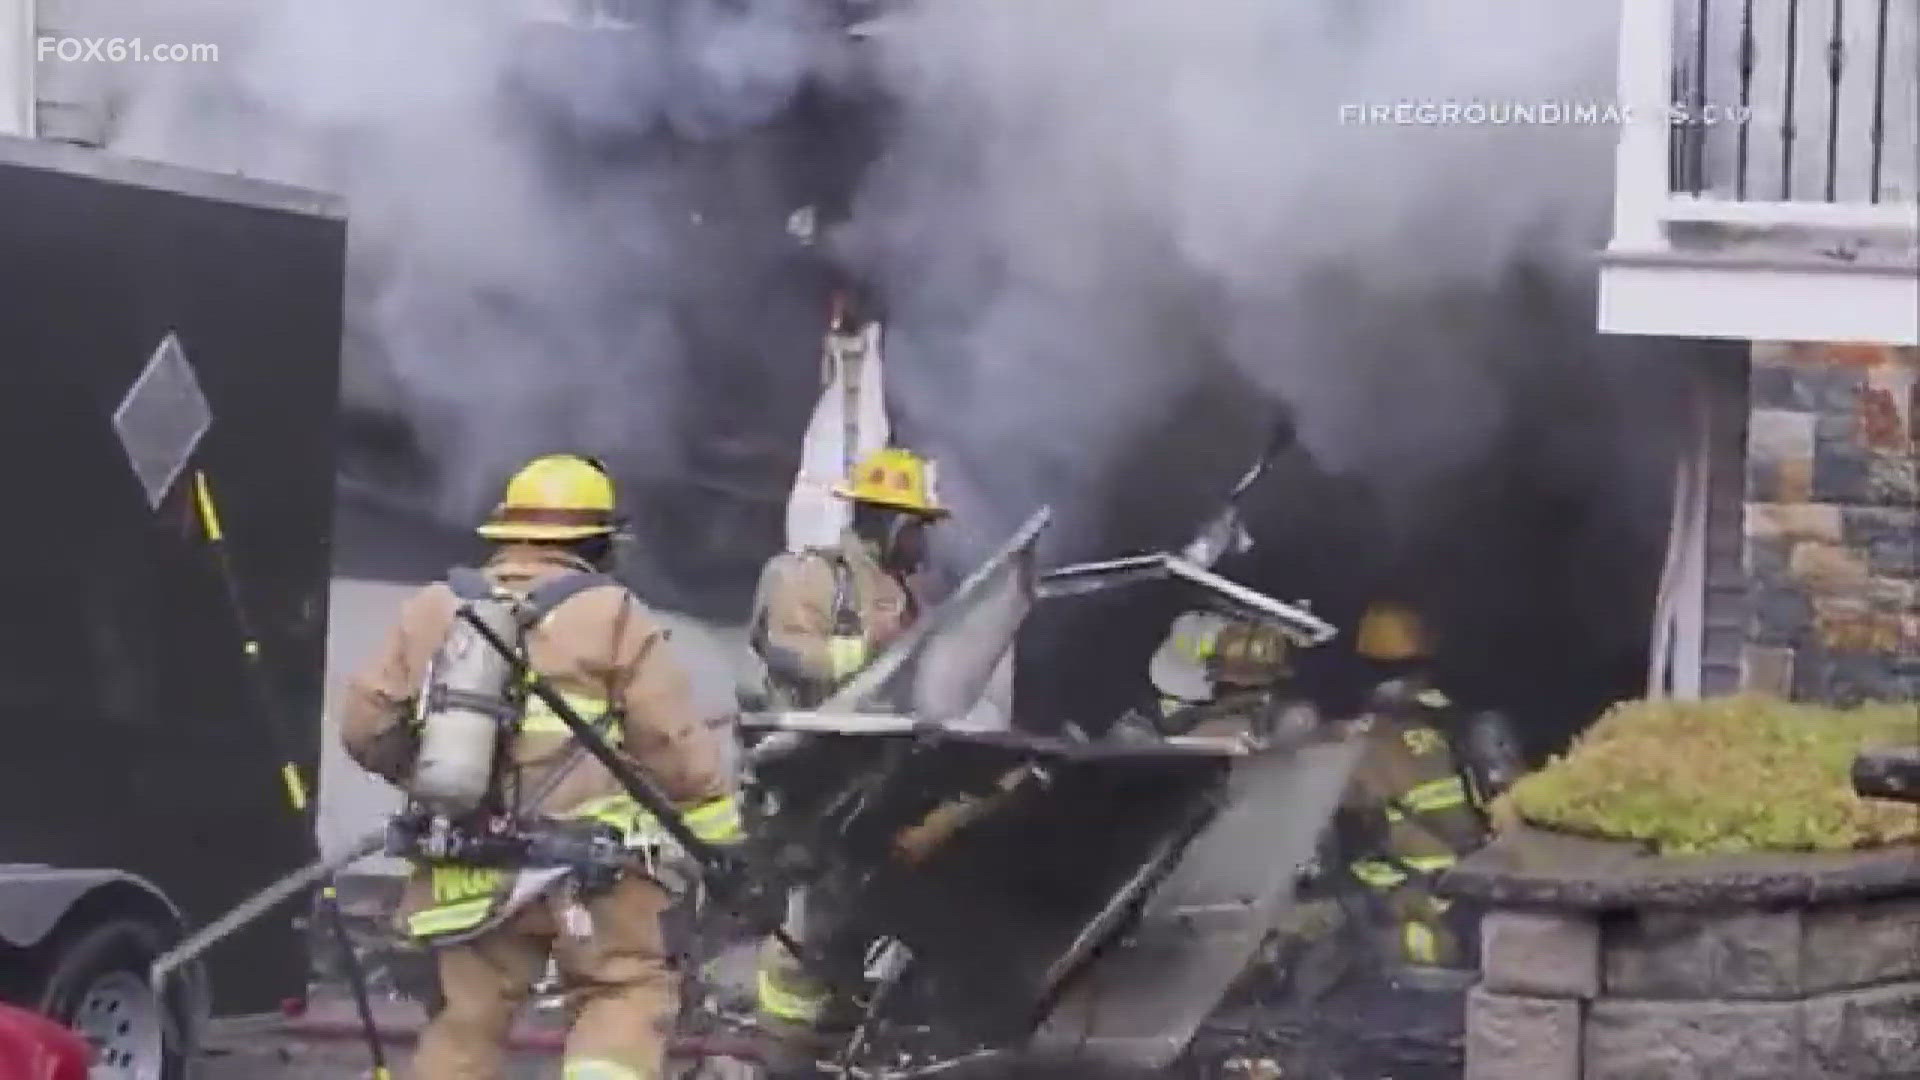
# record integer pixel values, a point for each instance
(1720, 776)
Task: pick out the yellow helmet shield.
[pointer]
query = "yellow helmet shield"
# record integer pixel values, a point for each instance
(894, 478)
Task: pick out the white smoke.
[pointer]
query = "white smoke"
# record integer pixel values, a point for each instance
(1066, 167)
(1069, 189)
(509, 292)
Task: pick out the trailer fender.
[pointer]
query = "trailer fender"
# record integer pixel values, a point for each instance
(33, 899)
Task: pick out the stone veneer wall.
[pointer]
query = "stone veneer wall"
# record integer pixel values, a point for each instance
(1798, 994)
(1831, 523)
(1600, 962)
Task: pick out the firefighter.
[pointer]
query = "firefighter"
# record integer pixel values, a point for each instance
(1217, 674)
(819, 616)
(1417, 800)
(608, 654)
(1372, 947)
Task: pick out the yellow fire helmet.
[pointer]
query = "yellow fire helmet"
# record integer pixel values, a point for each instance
(1392, 632)
(1179, 667)
(894, 478)
(557, 497)
(1248, 654)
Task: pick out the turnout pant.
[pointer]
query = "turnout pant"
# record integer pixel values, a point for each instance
(790, 1001)
(620, 988)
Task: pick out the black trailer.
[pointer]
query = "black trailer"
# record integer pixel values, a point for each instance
(155, 323)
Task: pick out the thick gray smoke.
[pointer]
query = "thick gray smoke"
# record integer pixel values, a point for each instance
(513, 283)
(1072, 176)
(1083, 208)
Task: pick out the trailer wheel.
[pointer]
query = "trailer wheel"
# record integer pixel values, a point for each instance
(97, 985)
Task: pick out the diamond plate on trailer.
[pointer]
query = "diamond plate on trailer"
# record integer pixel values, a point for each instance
(1138, 1003)
(162, 418)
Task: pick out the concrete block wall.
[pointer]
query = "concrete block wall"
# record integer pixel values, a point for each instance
(1833, 523)
(1815, 993)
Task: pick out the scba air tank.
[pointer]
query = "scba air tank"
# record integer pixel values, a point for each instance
(466, 706)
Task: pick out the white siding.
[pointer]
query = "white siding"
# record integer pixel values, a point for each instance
(1725, 601)
(1700, 617)
(16, 67)
(1679, 294)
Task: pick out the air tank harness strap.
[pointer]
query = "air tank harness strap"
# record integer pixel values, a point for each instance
(847, 641)
(533, 714)
(538, 602)
(538, 718)
(440, 696)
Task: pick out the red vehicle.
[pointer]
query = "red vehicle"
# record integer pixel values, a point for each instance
(35, 1048)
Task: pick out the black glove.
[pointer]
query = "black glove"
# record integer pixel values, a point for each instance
(1493, 754)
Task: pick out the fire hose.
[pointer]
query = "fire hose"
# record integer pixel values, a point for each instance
(257, 905)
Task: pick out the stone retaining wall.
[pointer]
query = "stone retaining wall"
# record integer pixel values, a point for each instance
(1666, 969)
(1833, 523)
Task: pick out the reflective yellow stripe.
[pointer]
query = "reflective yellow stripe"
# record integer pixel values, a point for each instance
(1431, 797)
(717, 821)
(453, 883)
(296, 788)
(1442, 794)
(449, 917)
(203, 497)
(846, 654)
(619, 811)
(599, 1069)
(1422, 944)
(783, 1004)
(1376, 874)
(1432, 699)
(463, 896)
(540, 719)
